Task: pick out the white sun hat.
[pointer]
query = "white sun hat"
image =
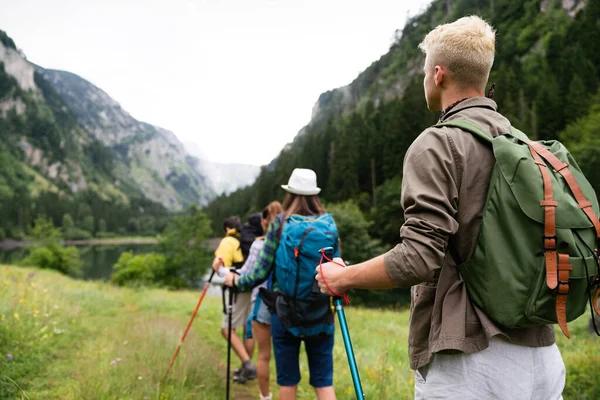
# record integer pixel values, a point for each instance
(303, 182)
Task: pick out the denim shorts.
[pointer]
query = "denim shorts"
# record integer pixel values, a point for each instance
(260, 313)
(286, 346)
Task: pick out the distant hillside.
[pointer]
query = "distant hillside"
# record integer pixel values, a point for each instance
(69, 151)
(153, 159)
(547, 75)
(223, 178)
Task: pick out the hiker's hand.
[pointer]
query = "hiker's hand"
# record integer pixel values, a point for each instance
(333, 275)
(231, 279)
(217, 262)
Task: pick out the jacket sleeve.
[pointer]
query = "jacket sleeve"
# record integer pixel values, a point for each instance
(429, 198)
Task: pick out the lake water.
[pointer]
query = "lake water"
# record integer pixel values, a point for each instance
(98, 260)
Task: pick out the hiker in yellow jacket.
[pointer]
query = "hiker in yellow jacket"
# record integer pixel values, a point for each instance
(229, 255)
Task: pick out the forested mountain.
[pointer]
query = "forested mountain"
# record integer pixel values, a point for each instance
(154, 160)
(546, 71)
(68, 148)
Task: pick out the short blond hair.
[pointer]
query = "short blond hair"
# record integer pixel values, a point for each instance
(466, 47)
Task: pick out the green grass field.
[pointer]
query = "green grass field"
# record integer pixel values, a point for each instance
(70, 339)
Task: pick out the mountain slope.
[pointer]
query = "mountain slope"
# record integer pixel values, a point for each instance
(152, 158)
(73, 154)
(546, 74)
(39, 131)
(224, 178)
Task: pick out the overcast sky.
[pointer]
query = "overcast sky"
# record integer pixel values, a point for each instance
(239, 78)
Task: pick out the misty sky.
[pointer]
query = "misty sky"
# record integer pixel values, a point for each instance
(239, 78)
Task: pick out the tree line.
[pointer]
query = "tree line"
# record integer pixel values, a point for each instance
(546, 75)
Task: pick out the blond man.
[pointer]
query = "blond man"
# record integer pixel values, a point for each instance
(457, 351)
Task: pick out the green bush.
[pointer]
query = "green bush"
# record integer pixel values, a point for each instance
(47, 253)
(358, 246)
(53, 256)
(139, 270)
(76, 234)
(182, 245)
(105, 235)
(353, 228)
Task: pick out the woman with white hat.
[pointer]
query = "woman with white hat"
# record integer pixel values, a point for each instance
(299, 311)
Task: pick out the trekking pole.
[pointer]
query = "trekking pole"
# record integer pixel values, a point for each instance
(229, 318)
(188, 325)
(337, 301)
(229, 315)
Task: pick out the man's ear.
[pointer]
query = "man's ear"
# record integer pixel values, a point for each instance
(438, 75)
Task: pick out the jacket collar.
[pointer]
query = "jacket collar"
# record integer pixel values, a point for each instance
(469, 102)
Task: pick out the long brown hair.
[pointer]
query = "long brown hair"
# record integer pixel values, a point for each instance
(302, 205)
(272, 210)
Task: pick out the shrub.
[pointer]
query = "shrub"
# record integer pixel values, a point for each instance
(76, 234)
(353, 228)
(358, 246)
(139, 270)
(105, 235)
(53, 256)
(47, 253)
(181, 244)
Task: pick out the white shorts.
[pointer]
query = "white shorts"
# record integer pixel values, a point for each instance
(241, 310)
(502, 371)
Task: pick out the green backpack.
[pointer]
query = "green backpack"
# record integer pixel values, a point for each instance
(536, 258)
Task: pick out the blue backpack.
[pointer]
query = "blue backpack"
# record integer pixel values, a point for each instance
(300, 305)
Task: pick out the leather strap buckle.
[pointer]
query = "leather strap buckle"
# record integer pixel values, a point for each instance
(563, 287)
(548, 247)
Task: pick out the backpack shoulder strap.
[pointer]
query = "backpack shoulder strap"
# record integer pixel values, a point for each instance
(468, 126)
(481, 133)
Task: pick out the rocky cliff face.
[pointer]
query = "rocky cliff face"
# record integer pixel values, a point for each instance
(74, 136)
(153, 158)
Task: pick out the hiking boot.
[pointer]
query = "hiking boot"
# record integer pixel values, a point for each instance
(248, 372)
(236, 372)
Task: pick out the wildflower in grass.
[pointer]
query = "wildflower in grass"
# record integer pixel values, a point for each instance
(16, 316)
(113, 362)
(43, 329)
(118, 359)
(9, 356)
(73, 321)
(31, 275)
(3, 317)
(21, 301)
(56, 307)
(125, 343)
(140, 378)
